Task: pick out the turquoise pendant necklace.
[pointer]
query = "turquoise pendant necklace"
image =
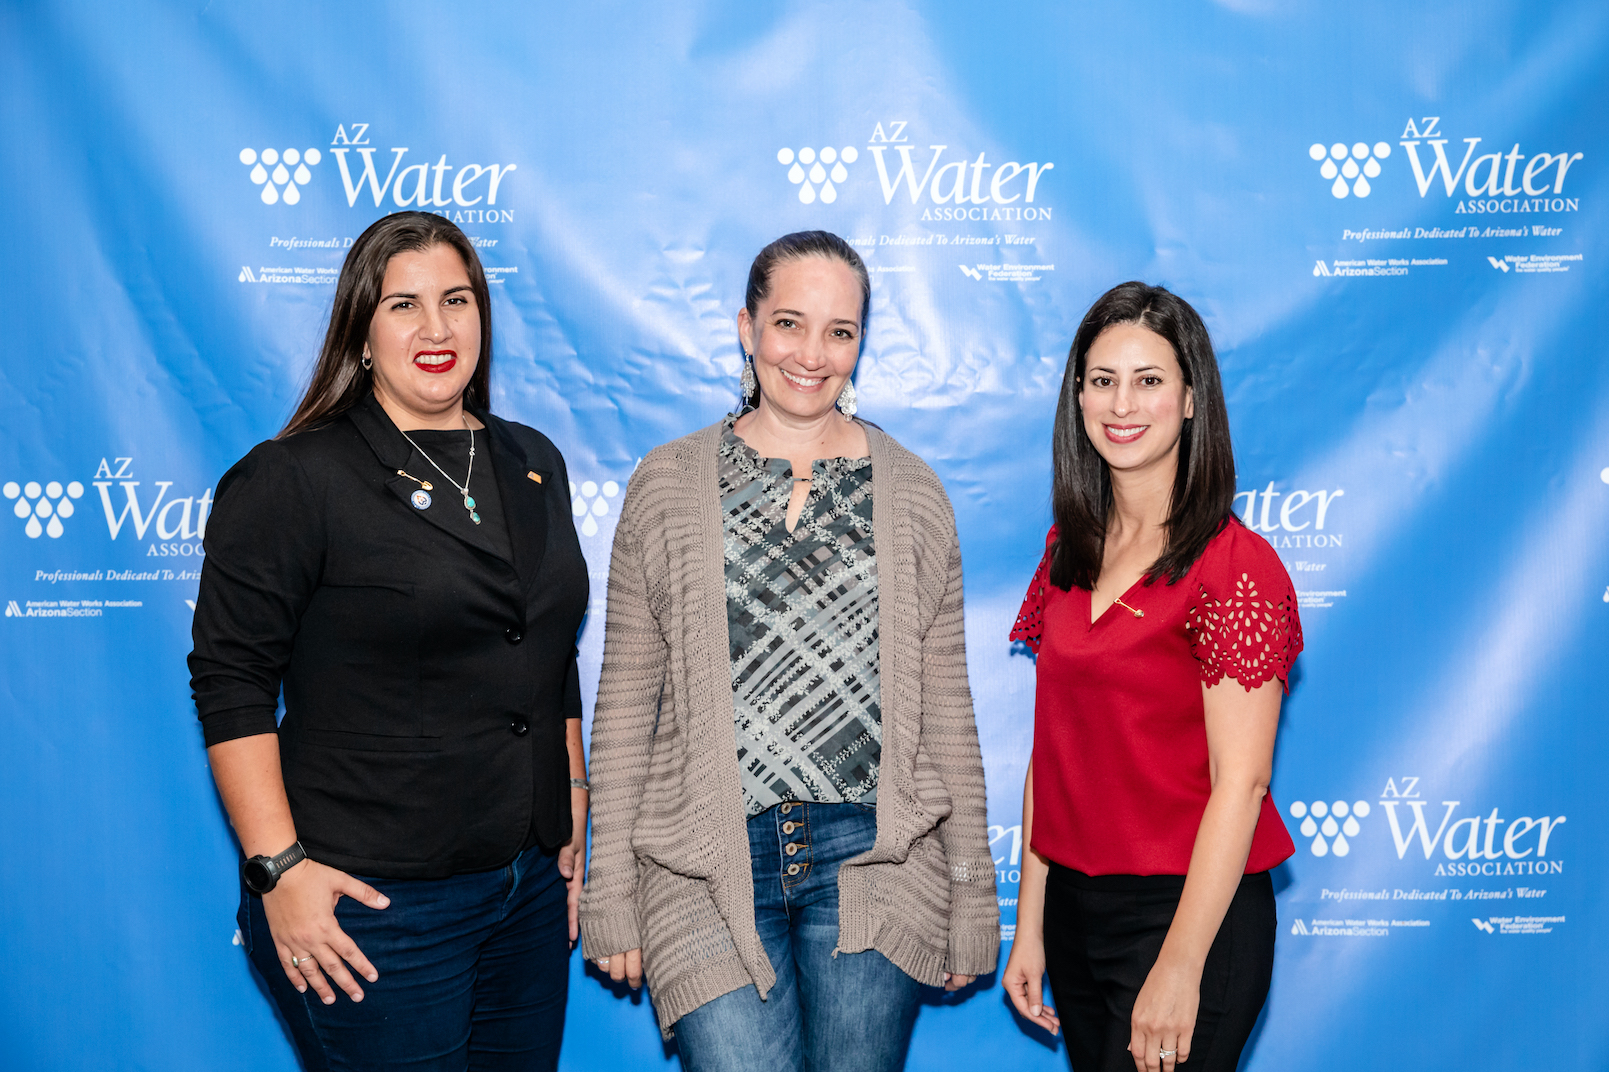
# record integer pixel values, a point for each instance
(469, 503)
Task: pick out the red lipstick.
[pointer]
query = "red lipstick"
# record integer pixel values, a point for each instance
(435, 366)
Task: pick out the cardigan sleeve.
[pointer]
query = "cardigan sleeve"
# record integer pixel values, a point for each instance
(635, 657)
(264, 557)
(950, 741)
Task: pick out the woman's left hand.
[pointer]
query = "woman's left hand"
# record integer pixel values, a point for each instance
(957, 982)
(573, 859)
(1164, 1017)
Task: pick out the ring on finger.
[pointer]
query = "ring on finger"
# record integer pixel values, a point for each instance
(297, 962)
(1165, 1054)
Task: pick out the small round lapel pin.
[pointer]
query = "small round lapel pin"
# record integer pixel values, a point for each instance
(420, 499)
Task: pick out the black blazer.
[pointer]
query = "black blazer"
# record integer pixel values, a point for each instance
(427, 679)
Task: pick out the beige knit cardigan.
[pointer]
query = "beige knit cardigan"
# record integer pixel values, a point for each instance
(670, 870)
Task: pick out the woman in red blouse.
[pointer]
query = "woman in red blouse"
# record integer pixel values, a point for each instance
(1161, 624)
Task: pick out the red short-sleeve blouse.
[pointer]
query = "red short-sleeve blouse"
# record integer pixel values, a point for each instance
(1120, 737)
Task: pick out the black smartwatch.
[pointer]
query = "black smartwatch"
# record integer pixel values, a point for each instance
(262, 872)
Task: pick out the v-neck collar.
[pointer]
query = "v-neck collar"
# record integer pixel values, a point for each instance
(1090, 609)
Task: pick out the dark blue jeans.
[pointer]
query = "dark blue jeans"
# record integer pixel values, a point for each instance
(829, 1011)
(473, 974)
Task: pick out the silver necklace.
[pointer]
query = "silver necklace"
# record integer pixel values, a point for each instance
(469, 504)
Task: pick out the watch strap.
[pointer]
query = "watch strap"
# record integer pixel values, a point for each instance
(287, 859)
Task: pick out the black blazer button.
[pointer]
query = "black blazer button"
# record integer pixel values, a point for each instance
(513, 636)
(519, 727)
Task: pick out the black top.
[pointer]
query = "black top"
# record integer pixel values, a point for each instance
(428, 663)
(450, 449)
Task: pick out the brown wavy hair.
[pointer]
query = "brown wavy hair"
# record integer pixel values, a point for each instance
(339, 379)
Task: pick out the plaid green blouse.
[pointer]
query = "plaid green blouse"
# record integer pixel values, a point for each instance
(801, 610)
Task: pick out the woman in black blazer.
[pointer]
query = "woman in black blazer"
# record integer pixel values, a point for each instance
(402, 564)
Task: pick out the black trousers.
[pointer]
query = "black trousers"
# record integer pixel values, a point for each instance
(1103, 934)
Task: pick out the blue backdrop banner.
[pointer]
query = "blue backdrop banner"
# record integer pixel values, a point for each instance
(1385, 213)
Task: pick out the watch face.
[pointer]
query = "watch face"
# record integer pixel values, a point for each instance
(259, 879)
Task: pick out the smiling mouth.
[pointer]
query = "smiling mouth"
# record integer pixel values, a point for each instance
(1126, 433)
(435, 360)
(805, 382)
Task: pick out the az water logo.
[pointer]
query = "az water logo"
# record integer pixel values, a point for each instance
(1330, 836)
(54, 501)
(281, 178)
(589, 501)
(1343, 165)
(818, 175)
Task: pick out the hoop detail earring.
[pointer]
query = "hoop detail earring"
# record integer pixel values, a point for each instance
(367, 362)
(749, 384)
(846, 399)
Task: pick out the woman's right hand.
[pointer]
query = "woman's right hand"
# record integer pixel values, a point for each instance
(301, 917)
(1024, 981)
(623, 967)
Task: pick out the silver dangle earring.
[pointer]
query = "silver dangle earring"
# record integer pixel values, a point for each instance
(846, 399)
(367, 362)
(748, 382)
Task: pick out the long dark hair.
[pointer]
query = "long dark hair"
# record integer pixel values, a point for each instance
(794, 247)
(1204, 487)
(339, 379)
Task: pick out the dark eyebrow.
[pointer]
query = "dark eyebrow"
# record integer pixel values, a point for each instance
(415, 297)
(796, 314)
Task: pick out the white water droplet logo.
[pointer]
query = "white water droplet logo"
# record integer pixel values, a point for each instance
(44, 506)
(589, 501)
(281, 184)
(808, 169)
(1339, 826)
(1349, 169)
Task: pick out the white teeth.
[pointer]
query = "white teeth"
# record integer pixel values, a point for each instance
(802, 381)
(433, 359)
(1125, 433)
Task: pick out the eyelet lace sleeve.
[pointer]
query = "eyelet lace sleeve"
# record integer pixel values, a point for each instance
(1251, 633)
(1030, 627)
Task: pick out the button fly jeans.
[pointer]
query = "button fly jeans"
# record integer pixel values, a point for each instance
(473, 974)
(829, 1011)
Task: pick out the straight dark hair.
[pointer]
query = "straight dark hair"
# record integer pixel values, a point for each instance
(339, 379)
(798, 246)
(1204, 487)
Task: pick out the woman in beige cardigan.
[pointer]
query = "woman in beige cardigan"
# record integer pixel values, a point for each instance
(788, 833)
